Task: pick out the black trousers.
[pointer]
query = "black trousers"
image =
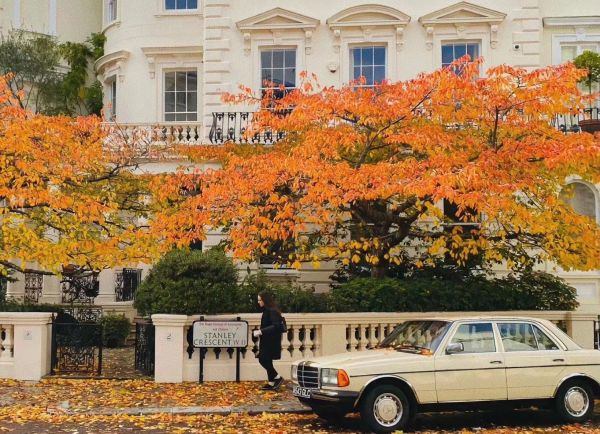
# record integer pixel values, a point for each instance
(268, 365)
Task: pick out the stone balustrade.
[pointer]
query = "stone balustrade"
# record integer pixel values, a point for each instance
(310, 335)
(25, 345)
(164, 133)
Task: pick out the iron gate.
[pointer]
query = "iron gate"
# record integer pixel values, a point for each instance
(144, 347)
(77, 342)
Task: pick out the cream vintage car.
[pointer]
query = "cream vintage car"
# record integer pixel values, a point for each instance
(442, 364)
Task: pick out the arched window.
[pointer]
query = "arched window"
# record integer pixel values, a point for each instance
(581, 198)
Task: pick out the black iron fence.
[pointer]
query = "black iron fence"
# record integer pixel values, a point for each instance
(576, 122)
(144, 347)
(233, 127)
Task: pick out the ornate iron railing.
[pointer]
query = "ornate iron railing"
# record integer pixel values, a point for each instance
(126, 283)
(233, 127)
(34, 283)
(80, 289)
(572, 123)
(144, 347)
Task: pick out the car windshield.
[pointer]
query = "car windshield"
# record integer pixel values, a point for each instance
(416, 336)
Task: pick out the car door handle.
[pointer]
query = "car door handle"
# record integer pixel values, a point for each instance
(496, 362)
(558, 360)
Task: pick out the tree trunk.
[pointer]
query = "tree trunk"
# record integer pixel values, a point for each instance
(379, 271)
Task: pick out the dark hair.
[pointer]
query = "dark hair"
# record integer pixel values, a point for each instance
(268, 300)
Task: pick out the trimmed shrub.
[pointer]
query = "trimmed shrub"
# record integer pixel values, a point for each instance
(530, 291)
(189, 282)
(15, 306)
(115, 328)
(290, 298)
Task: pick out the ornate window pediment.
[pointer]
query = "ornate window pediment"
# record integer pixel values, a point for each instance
(368, 17)
(176, 56)
(462, 15)
(276, 21)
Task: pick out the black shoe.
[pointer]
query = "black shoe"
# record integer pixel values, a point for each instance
(267, 387)
(278, 382)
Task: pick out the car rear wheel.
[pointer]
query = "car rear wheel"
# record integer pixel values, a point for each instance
(385, 409)
(574, 401)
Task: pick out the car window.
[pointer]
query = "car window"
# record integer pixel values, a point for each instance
(517, 336)
(544, 342)
(476, 338)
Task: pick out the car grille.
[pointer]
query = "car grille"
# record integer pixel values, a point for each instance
(308, 376)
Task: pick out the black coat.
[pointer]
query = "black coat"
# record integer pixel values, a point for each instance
(270, 340)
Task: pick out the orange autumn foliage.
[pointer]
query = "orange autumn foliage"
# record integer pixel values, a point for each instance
(361, 172)
(68, 194)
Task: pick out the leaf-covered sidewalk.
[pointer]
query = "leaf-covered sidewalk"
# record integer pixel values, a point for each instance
(68, 406)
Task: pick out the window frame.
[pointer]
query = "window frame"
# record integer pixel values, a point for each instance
(179, 10)
(557, 342)
(112, 97)
(166, 71)
(495, 336)
(272, 49)
(453, 43)
(593, 189)
(111, 12)
(352, 66)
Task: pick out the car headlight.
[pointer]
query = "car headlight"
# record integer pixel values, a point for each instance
(294, 372)
(334, 377)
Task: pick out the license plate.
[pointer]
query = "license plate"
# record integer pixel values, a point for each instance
(301, 392)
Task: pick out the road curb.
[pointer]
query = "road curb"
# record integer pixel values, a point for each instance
(275, 407)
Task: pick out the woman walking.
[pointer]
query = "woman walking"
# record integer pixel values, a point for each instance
(269, 347)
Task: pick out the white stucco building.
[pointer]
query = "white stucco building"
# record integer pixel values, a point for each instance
(167, 62)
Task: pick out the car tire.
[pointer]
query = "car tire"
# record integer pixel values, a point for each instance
(385, 409)
(329, 414)
(574, 401)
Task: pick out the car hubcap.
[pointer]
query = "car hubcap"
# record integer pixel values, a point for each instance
(387, 409)
(576, 401)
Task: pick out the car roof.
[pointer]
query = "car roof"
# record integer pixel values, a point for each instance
(478, 318)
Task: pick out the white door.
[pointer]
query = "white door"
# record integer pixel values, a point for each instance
(475, 374)
(533, 360)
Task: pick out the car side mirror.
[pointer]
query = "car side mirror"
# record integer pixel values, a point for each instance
(455, 347)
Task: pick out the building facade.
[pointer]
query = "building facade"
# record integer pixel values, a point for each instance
(167, 64)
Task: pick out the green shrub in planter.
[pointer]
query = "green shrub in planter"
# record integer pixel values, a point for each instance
(116, 328)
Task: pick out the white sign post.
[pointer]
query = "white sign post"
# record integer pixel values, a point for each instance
(220, 334)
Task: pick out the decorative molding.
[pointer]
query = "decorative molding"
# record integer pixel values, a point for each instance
(462, 13)
(368, 18)
(372, 15)
(592, 20)
(277, 21)
(111, 61)
(429, 40)
(154, 53)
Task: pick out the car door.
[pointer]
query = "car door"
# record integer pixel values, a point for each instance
(533, 360)
(475, 374)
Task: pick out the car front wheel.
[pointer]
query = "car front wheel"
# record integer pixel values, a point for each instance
(575, 401)
(385, 409)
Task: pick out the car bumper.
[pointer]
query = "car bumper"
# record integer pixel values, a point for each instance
(332, 398)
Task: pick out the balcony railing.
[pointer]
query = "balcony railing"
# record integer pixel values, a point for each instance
(166, 132)
(232, 127)
(572, 123)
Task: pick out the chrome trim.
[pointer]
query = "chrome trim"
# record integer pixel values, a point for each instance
(568, 377)
(395, 377)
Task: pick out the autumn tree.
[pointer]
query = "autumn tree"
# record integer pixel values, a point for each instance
(363, 171)
(70, 196)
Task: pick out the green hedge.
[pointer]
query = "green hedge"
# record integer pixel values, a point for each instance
(192, 282)
(116, 328)
(13, 306)
(532, 291)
